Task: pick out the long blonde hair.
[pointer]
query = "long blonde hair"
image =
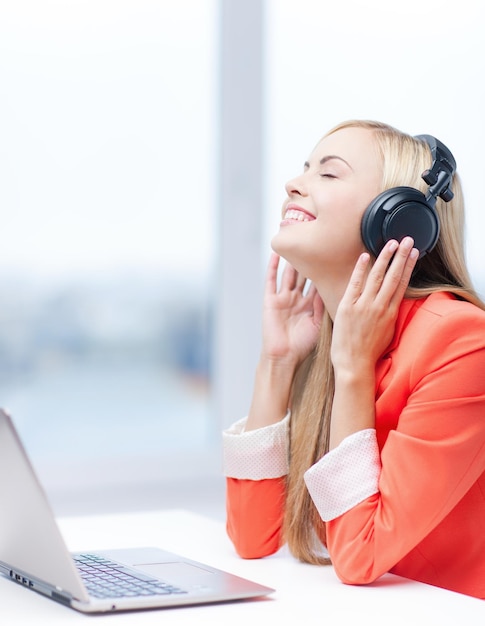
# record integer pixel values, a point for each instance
(404, 158)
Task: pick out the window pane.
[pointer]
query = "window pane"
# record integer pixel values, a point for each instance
(107, 176)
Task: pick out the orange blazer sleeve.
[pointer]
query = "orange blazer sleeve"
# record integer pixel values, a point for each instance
(254, 515)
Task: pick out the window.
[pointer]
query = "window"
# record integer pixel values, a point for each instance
(107, 160)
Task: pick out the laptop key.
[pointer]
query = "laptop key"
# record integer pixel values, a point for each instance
(105, 579)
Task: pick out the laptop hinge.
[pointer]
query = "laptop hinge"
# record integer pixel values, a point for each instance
(62, 598)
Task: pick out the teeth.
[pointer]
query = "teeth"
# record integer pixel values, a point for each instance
(292, 214)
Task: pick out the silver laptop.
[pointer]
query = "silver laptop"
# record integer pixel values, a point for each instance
(34, 554)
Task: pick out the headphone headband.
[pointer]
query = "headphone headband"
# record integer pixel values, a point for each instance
(439, 176)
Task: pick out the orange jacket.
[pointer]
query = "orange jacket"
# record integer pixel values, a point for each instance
(427, 518)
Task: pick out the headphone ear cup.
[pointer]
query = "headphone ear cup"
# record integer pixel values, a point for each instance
(397, 213)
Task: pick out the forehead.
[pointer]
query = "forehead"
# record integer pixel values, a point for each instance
(357, 146)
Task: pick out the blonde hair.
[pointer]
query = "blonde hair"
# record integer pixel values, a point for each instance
(404, 158)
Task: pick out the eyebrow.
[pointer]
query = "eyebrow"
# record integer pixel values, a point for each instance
(330, 157)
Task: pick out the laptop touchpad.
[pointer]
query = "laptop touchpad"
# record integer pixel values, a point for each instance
(180, 574)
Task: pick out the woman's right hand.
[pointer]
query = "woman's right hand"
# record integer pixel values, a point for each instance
(292, 317)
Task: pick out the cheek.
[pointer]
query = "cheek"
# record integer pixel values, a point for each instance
(354, 206)
(330, 248)
(342, 221)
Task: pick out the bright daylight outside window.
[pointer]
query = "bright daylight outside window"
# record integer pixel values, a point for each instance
(107, 200)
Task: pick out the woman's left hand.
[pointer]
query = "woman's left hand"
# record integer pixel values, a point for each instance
(366, 316)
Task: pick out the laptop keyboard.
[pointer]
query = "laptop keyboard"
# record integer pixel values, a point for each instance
(107, 579)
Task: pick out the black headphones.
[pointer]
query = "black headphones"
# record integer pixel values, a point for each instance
(403, 211)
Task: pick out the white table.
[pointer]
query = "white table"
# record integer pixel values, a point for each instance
(305, 594)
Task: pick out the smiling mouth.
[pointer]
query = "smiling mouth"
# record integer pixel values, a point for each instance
(296, 215)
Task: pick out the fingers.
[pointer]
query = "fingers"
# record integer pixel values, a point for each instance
(394, 278)
(290, 278)
(389, 278)
(400, 271)
(272, 273)
(357, 279)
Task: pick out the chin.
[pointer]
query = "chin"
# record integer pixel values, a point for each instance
(290, 252)
(274, 243)
(281, 247)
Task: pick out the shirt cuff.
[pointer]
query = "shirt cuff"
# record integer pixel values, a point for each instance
(346, 475)
(256, 454)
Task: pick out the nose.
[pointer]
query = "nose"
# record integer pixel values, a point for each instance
(296, 186)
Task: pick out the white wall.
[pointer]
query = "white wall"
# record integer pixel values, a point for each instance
(418, 65)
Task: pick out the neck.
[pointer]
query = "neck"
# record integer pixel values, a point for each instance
(331, 292)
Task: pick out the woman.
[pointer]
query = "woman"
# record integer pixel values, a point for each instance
(365, 440)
